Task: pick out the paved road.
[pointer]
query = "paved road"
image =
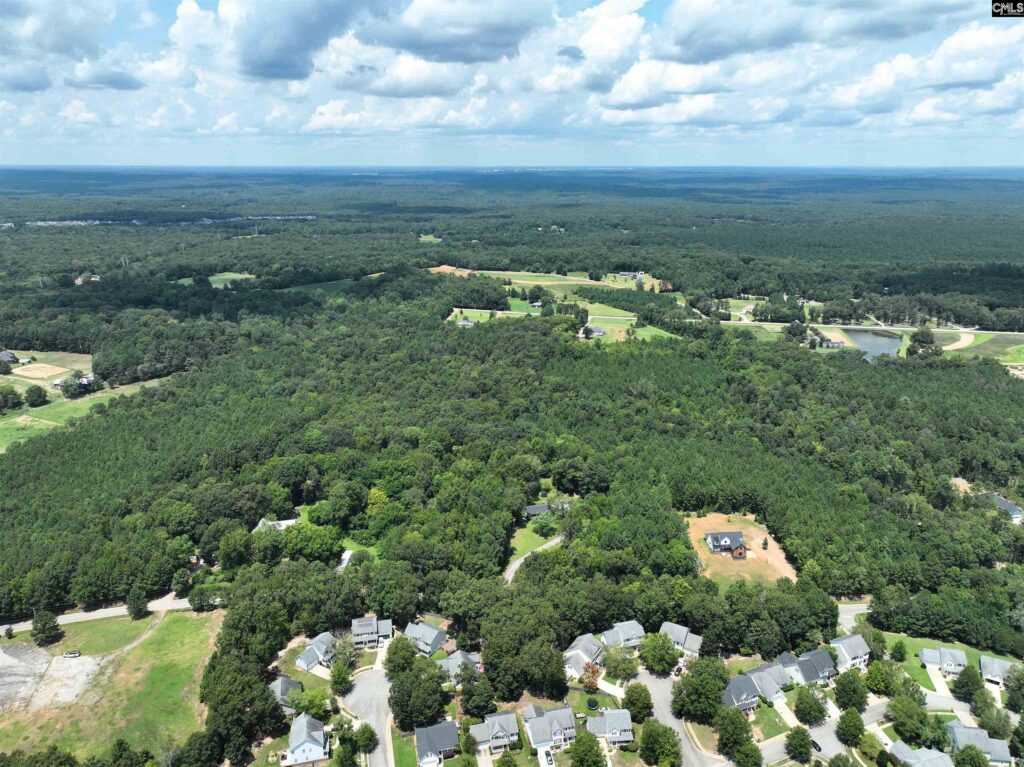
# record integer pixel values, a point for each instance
(368, 701)
(661, 696)
(848, 614)
(164, 603)
(513, 566)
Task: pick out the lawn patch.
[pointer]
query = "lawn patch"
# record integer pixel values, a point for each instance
(404, 749)
(768, 722)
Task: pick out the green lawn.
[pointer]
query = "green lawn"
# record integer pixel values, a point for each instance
(705, 735)
(1000, 346)
(221, 279)
(405, 749)
(27, 422)
(429, 238)
(519, 305)
(366, 658)
(354, 546)
(740, 663)
(267, 754)
(912, 665)
(289, 669)
(148, 696)
(768, 721)
(101, 636)
(524, 541)
(330, 288)
(577, 700)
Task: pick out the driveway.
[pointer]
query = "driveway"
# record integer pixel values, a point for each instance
(513, 566)
(368, 702)
(164, 603)
(848, 614)
(938, 682)
(661, 697)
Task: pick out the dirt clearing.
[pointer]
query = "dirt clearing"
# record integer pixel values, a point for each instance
(761, 564)
(965, 340)
(446, 269)
(39, 371)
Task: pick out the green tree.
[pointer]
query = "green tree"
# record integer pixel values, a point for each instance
(798, 745)
(181, 582)
(137, 604)
(851, 692)
(313, 701)
(747, 755)
(899, 651)
(637, 700)
(400, 656)
(586, 751)
(967, 683)
(1017, 740)
(45, 629)
(658, 653)
(478, 696)
(733, 730)
(506, 759)
(620, 663)
(840, 760)
(697, 694)
(881, 677)
(366, 738)
(1015, 689)
(909, 718)
(809, 706)
(659, 745)
(235, 549)
(417, 695)
(341, 678)
(850, 728)
(35, 396)
(970, 756)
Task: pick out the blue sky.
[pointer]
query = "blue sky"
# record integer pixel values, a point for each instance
(510, 82)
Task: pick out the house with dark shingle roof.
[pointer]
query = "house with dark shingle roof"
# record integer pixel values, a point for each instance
(549, 729)
(769, 678)
(280, 688)
(614, 725)
(730, 542)
(684, 640)
(741, 693)
(308, 744)
(457, 661)
(9, 357)
(996, 751)
(813, 667)
(584, 650)
(436, 743)
(426, 638)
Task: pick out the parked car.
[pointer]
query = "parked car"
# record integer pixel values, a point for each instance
(677, 671)
(816, 746)
(551, 759)
(73, 654)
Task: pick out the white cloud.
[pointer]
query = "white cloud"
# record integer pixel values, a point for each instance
(77, 113)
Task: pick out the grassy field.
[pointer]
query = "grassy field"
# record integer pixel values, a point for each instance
(266, 754)
(221, 279)
(577, 701)
(737, 664)
(148, 696)
(27, 422)
(353, 546)
(429, 238)
(405, 749)
(100, 636)
(331, 288)
(524, 541)
(289, 669)
(999, 346)
(705, 735)
(768, 722)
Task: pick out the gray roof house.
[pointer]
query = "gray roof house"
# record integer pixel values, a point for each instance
(920, 757)
(995, 670)
(308, 744)
(454, 663)
(624, 634)
(436, 743)
(549, 729)
(682, 638)
(615, 725)
(584, 649)
(997, 751)
(1016, 512)
(370, 631)
(497, 731)
(320, 650)
(769, 678)
(274, 524)
(280, 688)
(813, 667)
(851, 652)
(427, 639)
(950, 662)
(730, 542)
(535, 510)
(741, 693)
(8, 357)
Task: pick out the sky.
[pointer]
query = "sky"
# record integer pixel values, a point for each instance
(510, 82)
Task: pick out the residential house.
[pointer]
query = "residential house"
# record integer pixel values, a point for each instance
(851, 652)
(730, 542)
(950, 662)
(280, 688)
(615, 725)
(550, 729)
(308, 744)
(535, 510)
(741, 693)
(996, 751)
(459, 659)
(464, 323)
(769, 678)
(584, 650)
(906, 756)
(319, 651)
(370, 631)
(274, 524)
(346, 557)
(828, 343)
(1005, 504)
(813, 667)
(426, 638)
(496, 732)
(436, 743)
(9, 357)
(624, 634)
(995, 670)
(684, 640)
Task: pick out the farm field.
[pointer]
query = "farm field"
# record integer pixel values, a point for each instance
(760, 565)
(45, 369)
(28, 422)
(147, 695)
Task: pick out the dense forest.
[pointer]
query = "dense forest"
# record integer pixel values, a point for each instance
(425, 440)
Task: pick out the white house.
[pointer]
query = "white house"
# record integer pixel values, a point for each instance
(851, 652)
(549, 729)
(996, 751)
(624, 634)
(684, 640)
(950, 662)
(427, 639)
(615, 726)
(319, 651)
(308, 744)
(584, 650)
(370, 631)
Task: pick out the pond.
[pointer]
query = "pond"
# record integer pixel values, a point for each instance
(875, 343)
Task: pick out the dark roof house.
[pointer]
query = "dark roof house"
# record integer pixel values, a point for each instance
(741, 693)
(427, 639)
(549, 729)
(813, 667)
(280, 688)
(436, 743)
(730, 542)
(584, 649)
(996, 751)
